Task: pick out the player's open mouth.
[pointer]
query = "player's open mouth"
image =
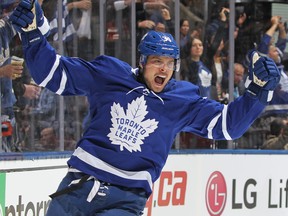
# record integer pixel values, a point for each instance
(159, 80)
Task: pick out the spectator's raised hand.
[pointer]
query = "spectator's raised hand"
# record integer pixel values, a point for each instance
(275, 20)
(84, 4)
(149, 24)
(165, 14)
(242, 18)
(224, 14)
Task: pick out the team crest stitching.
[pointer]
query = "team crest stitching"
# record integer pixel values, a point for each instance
(130, 129)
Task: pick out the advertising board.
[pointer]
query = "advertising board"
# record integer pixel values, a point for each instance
(190, 184)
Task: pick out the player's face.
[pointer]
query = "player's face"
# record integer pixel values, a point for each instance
(158, 71)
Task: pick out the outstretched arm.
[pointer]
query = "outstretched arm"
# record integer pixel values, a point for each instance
(47, 68)
(218, 121)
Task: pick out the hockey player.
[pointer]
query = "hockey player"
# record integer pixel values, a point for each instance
(135, 115)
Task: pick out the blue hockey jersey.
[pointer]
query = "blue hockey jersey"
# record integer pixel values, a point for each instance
(132, 128)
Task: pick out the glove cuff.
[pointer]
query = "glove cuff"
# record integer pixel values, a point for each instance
(31, 38)
(44, 28)
(264, 96)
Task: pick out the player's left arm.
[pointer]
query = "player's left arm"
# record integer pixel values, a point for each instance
(231, 121)
(263, 78)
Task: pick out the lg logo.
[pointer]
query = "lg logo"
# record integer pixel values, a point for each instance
(216, 194)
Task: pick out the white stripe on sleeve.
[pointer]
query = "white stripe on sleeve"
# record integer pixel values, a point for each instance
(62, 83)
(212, 125)
(224, 123)
(52, 71)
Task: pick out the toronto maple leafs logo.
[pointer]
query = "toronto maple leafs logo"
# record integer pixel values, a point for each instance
(130, 129)
(205, 78)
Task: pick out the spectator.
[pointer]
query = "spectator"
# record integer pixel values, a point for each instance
(218, 24)
(197, 31)
(216, 61)
(278, 137)
(216, 52)
(80, 15)
(26, 93)
(193, 69)
(11, 86)
(48, 141)
(239, 87)
(144, 11)
(275, 51)
(68, 30)
(215, 57)
(184, 36)
(267, 45)
(161, 16)
(7, 69)
(143, 24)
(243, 31)
(153, 12)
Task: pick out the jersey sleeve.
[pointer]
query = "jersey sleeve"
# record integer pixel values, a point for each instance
(70, 75)
(213, 120)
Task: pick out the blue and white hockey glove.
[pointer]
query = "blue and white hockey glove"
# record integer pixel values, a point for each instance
(28, 17)
(263, 77)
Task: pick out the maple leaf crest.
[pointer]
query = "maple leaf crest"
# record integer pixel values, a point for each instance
(130, 129)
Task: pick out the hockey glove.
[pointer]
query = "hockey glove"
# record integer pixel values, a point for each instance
(263, 77)
(22, 16)
(27, 18)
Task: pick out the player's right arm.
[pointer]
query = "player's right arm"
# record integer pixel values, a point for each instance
(62, 75)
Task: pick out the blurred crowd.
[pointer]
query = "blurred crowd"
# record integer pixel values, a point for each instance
(30, 115)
